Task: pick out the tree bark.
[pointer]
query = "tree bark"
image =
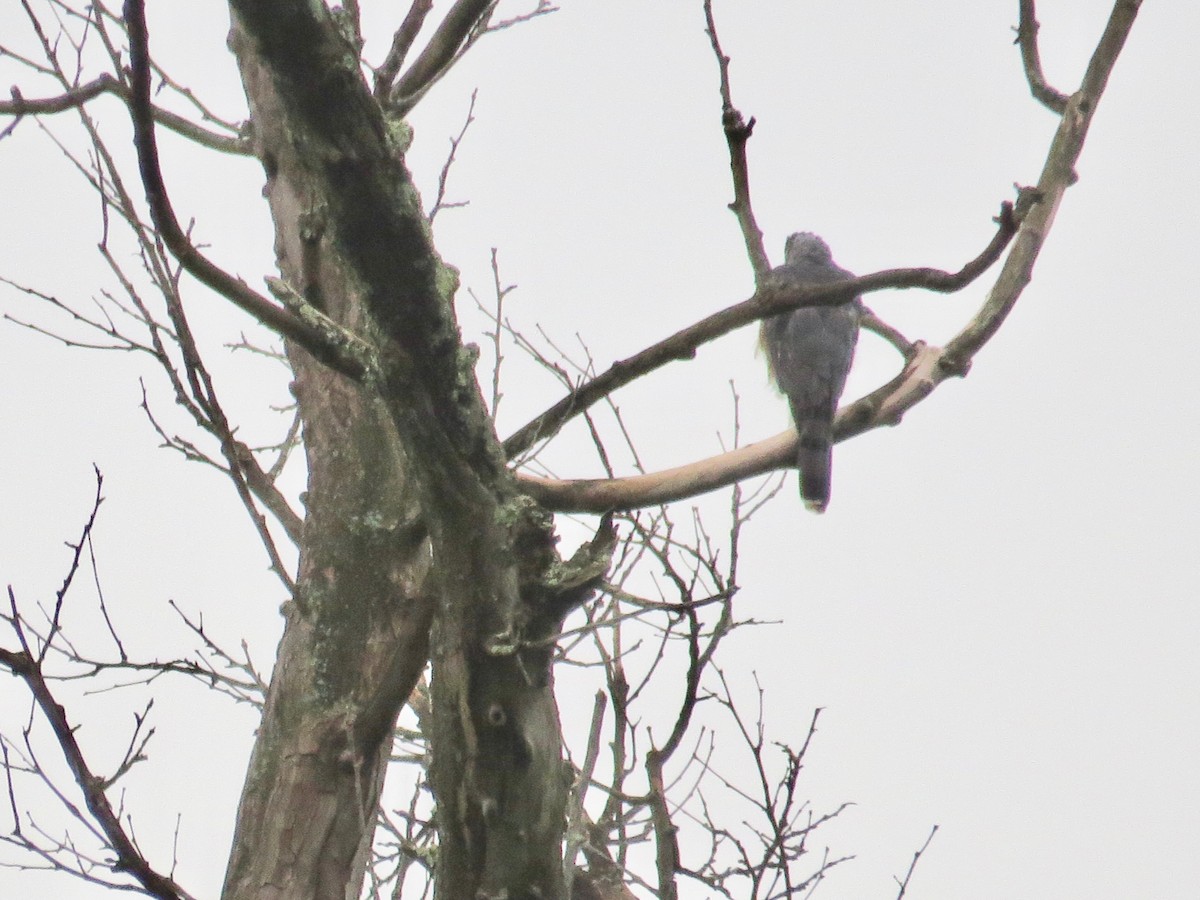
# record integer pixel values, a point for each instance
(356, 632)
(414, 527)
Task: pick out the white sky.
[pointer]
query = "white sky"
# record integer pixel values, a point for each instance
(999, 613)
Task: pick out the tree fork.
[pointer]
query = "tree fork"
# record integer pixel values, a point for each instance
(414, 527)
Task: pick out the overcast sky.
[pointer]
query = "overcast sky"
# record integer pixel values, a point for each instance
(999, 613)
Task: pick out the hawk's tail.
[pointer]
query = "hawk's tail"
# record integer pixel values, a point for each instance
(815, 460)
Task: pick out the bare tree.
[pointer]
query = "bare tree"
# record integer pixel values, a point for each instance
(425, 542)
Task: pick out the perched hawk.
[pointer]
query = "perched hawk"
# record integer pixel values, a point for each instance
(809, 351)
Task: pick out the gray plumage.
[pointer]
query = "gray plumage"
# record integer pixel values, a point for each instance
(809, 351)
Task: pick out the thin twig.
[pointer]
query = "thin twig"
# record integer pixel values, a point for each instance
(913, 865)
(440, 201)
(76, 554)
(501, 293)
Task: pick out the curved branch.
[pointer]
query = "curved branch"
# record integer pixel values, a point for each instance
(1057, 175)
(1027, 31)
(884, 406)
(598, 495)
(338, 355)
(768, 300)
(927, 366)
(19, 106)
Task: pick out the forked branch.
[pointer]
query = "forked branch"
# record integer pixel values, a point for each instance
(402, 42)
(1058, 174)
(463, 19)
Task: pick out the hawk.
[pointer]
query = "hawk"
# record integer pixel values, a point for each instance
(809, 352)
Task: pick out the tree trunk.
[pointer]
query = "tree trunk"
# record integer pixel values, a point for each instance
(413, 524)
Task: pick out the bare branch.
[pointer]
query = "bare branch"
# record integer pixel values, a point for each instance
(129, 858)
(336, 354)
(913, 865)
(440, 201)
(665, 832)
(927, 366)
(1027, 32)
(871, 322)
(501, 293)
(768, 300)
(576, 832)
(107, 84)
(702, 644)
(73, 98)
(1057, 175)
(76, 553)
(1108, 49)
(402, 42)
(737, 135)
(263, 487)
(543, 8)
(202, 402)
(102, 324)
(464, 25)
(189, 379)
(638, 491)
(463, 18)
